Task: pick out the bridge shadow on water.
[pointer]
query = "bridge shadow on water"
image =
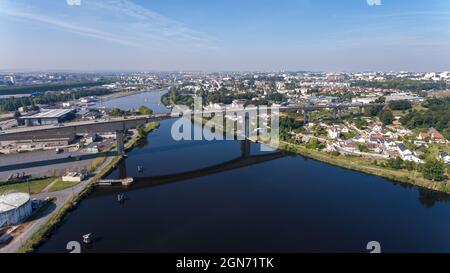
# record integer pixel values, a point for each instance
(244, 160)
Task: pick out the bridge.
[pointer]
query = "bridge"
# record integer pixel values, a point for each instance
(244, 160)
(65, 130)
(122, 124)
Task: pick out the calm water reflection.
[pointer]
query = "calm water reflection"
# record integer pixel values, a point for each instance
(150, 99)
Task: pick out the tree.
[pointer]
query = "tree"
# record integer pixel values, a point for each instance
(400, 105)
(386, 117)
(395, 163)
(363, 148)
(140, 130)
(144, 110)
(434, 170)
(381, 99)
(313, 144)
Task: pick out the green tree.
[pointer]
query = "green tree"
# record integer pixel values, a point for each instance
(434, 170)
(144, 110)
(386, 117)
(381, 99)
(395, 163)
(400, 105)
(313, 144)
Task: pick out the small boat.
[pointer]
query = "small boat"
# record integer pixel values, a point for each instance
(120, 197)
(87, 238)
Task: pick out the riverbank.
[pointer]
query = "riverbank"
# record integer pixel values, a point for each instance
(367, 166)
(45, 231)
(121, 94)
(355, 163)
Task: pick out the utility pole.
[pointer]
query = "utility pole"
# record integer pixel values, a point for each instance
(29, 188)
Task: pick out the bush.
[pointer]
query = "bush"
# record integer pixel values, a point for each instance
(434, 170)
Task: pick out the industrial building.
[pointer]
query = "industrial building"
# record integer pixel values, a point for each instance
(14, 208)
(49, 117)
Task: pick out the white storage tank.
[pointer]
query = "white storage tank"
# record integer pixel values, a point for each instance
(14, 208)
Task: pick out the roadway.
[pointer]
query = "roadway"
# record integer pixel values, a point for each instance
(46, 163)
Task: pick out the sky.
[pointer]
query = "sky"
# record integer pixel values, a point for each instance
(225, 35)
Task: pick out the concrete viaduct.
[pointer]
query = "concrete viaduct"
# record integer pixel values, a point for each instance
(120, 125)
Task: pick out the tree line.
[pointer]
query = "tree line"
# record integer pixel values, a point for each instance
(13, 104)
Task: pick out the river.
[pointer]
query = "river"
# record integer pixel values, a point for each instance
(278, 203)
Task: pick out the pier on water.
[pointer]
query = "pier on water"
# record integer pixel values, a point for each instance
(113, 182)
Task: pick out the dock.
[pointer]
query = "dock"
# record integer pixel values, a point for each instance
(112, 182)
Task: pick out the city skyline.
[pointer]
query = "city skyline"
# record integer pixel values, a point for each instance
(122, 35)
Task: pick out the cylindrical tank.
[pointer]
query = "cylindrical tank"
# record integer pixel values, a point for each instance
(14, 208)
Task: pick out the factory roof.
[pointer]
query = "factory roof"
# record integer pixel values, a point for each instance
(13, 200)
(54, 113)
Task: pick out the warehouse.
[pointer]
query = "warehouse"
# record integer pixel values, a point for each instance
(53, 116)
(14, 208)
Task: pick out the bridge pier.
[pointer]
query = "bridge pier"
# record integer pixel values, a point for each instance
(245, 148)
(247, 125)
(335, 113)
(305, 116)
(120, 142)
(122, 169)
(360, 110)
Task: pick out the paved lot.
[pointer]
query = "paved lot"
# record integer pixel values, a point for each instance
(42, 163)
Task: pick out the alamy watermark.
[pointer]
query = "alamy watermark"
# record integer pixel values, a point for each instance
(256, 123)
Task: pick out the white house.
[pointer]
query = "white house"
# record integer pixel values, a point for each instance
(333, 133)
(390, 145)
(445, 157)
(403, 151)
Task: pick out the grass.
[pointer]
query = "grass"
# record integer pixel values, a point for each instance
(367, 166)
(97, 162)
(36, 186)
(135, 140)
(61, 185)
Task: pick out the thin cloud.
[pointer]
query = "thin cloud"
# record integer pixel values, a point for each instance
(73, 2)
(121, 22)
(374, 2)
(69, 27)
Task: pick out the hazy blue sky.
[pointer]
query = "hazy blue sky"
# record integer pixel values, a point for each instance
(326, 35)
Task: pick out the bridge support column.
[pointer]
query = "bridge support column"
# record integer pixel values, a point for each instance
(334, 113)
(305, 116)
(247, 126)
(120, 142)
(245, 148)
(361, 110)
(122, 169)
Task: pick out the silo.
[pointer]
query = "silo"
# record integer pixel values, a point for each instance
(14, 208)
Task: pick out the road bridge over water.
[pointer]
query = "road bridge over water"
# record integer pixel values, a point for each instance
(122, 124)
(244, 160)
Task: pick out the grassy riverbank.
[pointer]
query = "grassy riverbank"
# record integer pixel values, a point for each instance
(142, 132)
(365, 165)
(357, 163)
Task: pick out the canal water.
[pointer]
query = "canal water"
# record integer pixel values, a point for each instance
(214, 196)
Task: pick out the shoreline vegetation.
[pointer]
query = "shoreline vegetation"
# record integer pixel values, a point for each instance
(44, 232)
(355, 163)
(120, 94)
